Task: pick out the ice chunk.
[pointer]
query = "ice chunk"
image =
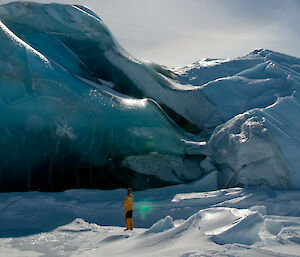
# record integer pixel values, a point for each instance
(248, 153)
(170, 168)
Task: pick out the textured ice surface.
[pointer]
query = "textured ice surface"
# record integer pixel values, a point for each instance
(78, 111)
(61, 125)
(257, 98)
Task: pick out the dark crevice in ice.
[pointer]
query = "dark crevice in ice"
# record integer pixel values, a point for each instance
(67, 174)
(181, 121)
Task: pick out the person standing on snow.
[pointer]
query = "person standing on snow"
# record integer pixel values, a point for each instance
(128, 209)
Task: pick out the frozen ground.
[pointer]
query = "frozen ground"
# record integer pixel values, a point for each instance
(228, 222)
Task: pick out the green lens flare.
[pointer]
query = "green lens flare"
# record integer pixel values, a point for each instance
(144, 208)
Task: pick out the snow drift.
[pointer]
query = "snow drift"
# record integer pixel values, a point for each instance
(227, 222)
(78, 111)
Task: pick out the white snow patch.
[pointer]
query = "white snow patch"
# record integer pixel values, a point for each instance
(161, 225)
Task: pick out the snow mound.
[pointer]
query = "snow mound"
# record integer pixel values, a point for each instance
(223, 225)
(161, 225)
(78, 225)
(244, 227)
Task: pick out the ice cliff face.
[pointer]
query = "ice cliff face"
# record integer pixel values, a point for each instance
(78, 111)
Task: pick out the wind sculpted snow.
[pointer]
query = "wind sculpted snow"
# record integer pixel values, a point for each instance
(78, 111)
(228, 222)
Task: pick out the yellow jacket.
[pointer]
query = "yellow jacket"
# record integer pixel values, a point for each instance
(128, 202)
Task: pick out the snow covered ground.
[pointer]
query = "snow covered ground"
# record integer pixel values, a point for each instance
(171, 221)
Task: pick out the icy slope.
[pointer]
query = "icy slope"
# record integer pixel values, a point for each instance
(237, 85)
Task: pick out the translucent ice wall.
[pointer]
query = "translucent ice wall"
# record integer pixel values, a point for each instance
(61, 123)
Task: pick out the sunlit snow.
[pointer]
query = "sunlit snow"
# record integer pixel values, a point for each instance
(169, 221)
